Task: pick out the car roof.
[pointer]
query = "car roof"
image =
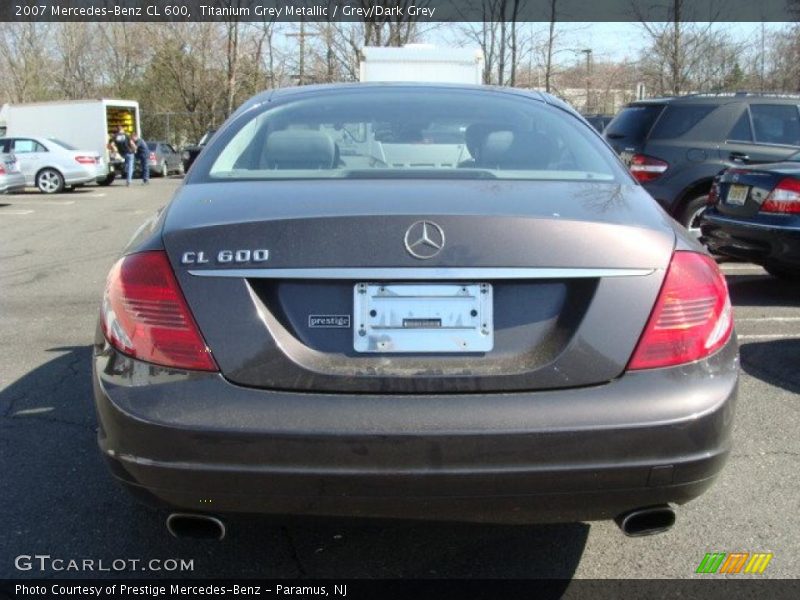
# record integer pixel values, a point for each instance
(365, 87)
(719, 98)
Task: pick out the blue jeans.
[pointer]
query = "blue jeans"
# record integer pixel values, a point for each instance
(144, 163)
(128, 167)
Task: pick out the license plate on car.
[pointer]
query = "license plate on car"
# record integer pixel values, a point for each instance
(737, 194)
(423, 317)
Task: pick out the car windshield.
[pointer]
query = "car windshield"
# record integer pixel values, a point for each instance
(64, 145)
(401, 133)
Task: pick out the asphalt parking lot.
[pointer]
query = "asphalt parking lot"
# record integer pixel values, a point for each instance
(56, 497)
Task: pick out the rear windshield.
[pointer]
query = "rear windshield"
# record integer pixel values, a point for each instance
(633, 122)
(678, 120)
(400, 133)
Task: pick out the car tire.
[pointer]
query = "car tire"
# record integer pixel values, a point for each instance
(164, 169)
(783, 273)
(50, 181)
(109, 179)
(692, 214)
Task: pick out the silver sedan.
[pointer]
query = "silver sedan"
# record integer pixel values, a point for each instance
(52, 165)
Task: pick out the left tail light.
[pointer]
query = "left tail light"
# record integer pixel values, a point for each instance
(646, 168)
(692, 317)
(145, 315)
(152, 157)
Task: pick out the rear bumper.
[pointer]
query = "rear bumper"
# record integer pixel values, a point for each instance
(198, 443)
(767, 240)
(12, 183)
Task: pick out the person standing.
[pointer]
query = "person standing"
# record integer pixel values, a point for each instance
(125, 148)
(142, 153)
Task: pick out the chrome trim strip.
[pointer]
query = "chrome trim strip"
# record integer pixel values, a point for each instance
(738, 222)
(422, 273)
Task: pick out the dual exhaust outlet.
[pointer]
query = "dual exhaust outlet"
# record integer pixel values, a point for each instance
(634, 523)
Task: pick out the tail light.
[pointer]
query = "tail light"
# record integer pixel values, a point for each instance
(785, 198)
(646, 168)
(2, 170)
(152, 158)
(146, 316)
(86, 160)
(713, 194)
(692, 317)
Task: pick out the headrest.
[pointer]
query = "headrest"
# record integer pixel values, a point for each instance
(299, 149)
(517, 150)
(475, 135)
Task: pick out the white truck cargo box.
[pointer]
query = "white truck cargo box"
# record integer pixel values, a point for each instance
(420, 62)
(85, 124)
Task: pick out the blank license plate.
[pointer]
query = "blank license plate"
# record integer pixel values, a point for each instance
(423, 317)
(737, 194)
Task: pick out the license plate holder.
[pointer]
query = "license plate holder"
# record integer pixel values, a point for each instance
(423, 317)
(737, 195)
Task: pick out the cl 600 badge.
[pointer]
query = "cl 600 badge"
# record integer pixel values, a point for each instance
(226, 256)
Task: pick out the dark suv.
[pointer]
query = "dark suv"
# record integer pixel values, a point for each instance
(676, 146)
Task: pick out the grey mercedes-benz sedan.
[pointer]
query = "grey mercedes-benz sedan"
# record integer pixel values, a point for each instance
(414, 301)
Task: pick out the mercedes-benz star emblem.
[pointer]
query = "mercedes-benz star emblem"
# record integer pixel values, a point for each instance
(424, 239)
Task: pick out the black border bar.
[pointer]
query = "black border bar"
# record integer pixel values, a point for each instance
(428, 11)
(708, 588)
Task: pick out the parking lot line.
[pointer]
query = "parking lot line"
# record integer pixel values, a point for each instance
(768, 336)
(15, 212)
(764, 319)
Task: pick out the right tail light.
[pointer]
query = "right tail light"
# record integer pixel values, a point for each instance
(692, 317)
(785, 198)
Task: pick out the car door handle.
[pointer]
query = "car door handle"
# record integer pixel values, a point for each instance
(739, 156)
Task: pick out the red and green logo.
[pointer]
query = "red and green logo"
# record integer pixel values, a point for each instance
(734, 562)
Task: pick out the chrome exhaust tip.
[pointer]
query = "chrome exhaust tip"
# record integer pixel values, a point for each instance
(195, 526)
(646, 521)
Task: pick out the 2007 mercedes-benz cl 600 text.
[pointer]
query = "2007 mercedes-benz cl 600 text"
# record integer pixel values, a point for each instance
(414, 301)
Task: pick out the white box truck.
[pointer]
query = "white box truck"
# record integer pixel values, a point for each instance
(421, 62)
(85, 124)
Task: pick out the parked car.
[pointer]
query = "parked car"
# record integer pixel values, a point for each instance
(323, 323)
(164, 159)
(755, 215)
(676, 146)
(52, 165)
(190, 153)
(599, 121)
(11, 178)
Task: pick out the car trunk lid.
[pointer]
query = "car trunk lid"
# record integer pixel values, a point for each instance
(274, 281)
(742, 191)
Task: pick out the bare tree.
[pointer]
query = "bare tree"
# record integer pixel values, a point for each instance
(497, 36)
(27, 58)
(121, 56)
(76, 71)
(677, 44)
(232, 31)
